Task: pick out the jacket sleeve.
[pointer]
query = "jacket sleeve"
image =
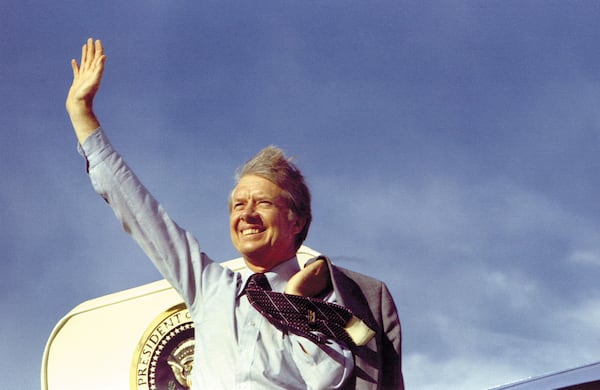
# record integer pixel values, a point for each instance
(391, 348)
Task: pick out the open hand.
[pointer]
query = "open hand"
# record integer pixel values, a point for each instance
(86, 78)
(86, 81)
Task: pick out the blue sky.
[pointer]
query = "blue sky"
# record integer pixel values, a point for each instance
(452, 148)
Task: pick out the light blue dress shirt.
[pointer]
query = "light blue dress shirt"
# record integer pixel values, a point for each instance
(235, 346)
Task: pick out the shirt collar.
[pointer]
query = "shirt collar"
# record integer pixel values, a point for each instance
(277, 277)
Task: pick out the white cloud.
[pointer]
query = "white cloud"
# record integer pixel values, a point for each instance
(458, 373)
(585, 257)
(477, 293)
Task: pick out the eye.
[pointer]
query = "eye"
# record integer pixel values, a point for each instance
(265, 203)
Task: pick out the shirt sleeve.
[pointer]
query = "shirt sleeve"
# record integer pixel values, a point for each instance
(174, 251)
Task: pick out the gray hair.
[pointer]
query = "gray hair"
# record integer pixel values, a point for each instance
(272, 164)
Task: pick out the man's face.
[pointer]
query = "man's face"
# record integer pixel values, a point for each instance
(262, 227)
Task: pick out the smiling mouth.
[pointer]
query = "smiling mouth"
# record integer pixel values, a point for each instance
(247, 232)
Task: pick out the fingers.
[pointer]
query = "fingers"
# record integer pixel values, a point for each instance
(99, 48)
(317, 267)
(83, 55)
(89, 52)
(75, 67)
(100, 57)
(92, 54)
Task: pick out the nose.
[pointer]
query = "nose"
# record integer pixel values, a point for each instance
(248, 213)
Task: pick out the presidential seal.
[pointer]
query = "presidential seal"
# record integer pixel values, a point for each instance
(164, 357)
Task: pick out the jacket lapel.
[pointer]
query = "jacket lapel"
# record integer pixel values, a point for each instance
(367, 358)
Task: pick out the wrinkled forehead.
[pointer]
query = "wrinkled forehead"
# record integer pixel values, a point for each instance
(253, 186)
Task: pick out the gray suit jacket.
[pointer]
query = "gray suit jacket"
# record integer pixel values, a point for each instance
(378, 364)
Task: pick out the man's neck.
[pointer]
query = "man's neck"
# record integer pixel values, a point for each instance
(259, 267)
(279, 275)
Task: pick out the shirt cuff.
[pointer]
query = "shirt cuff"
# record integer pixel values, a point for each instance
(95, 148)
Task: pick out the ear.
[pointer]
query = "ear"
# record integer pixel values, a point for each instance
(299, 223)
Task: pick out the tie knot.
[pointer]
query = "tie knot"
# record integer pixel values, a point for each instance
(258, 281)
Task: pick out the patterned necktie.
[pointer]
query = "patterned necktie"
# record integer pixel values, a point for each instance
(308, 317)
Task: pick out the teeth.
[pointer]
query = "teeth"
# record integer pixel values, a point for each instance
(246, 232)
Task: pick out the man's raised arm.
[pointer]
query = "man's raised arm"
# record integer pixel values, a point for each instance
(86, 81)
